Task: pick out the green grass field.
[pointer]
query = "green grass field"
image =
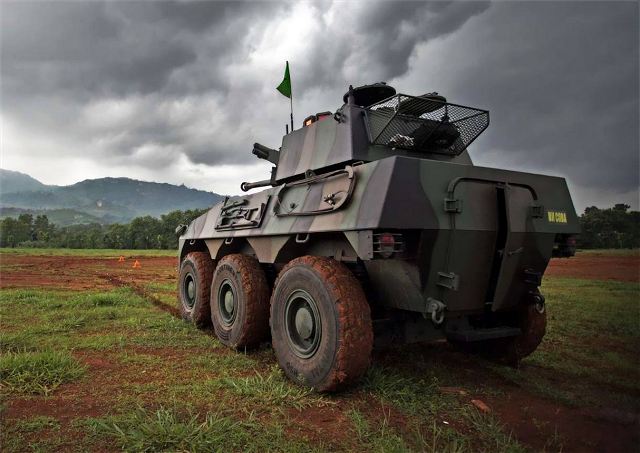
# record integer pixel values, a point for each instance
(104, 370)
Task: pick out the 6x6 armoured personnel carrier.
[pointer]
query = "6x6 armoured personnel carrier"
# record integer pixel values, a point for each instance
(377, 226)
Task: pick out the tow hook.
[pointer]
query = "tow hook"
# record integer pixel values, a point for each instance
(538, 301)
(436, 308)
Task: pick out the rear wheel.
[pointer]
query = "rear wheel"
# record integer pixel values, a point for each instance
(532, 322)
(320, 324)
(240, 302)
(194, 286)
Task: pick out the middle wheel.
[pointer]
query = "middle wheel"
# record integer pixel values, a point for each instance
(320, 324)
(240, 302)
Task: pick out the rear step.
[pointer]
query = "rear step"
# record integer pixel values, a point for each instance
(483, 334)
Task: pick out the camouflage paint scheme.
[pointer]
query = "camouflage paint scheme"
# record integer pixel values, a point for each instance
(472, 235)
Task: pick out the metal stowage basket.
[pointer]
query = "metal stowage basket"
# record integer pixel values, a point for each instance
(424, 124)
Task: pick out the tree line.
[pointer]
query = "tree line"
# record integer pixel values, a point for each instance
(141, 233)
(614, 228)
(611, 228)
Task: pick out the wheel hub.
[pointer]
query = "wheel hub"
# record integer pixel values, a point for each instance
(189, 291)
(303, 324)
(227, 303)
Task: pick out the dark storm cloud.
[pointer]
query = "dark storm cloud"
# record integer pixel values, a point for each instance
(390, 31)
(57, 59)
(561, 81)
(114, 49)
(170, 59)
(147, 84)
(374, 40)
(83, 49)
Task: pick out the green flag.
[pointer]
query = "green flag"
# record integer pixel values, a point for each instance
(285, 86)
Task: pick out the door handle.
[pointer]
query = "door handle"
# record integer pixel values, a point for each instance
(516, 251)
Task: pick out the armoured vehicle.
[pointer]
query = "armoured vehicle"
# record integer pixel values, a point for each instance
(376, 225)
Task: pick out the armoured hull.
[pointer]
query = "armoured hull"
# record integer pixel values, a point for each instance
(377, 225)
(466, 236)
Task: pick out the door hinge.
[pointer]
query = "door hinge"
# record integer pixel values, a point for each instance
(452, 205)
(532, 277)
(448, 280)
(537, 211)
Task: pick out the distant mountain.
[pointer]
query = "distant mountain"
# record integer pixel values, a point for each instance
(14, 181)
(107, 200)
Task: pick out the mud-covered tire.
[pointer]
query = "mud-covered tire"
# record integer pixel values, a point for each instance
(244, 323)
(512, 350)
(333, 351)
(534, 326)
(194, 288)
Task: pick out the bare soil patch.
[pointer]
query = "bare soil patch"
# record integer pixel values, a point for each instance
(544, 425)
(322, 425)
(624, 268)
(82, 273)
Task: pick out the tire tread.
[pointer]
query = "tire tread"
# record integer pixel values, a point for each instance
(200, 315)
(254, 283)
(355, 341)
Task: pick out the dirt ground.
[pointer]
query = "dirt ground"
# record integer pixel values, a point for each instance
(531, 418)
(83, 273)
(74, 272)
(624, 268)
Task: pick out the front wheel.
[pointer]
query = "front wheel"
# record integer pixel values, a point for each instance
(194, 283)
(320, 324)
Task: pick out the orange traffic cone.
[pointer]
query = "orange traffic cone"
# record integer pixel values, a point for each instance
(121, 259)
(136, 265)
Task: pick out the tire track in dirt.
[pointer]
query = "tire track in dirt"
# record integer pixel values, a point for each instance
(142, 292)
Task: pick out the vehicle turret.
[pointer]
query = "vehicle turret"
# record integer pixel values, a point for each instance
(374, 122)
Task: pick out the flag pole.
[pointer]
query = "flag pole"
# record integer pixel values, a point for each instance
(290, 97)
(291, 103)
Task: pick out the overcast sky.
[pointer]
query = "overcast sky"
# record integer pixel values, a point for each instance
(178, 92)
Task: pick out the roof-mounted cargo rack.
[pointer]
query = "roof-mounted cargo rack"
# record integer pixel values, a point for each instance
(426, 123)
